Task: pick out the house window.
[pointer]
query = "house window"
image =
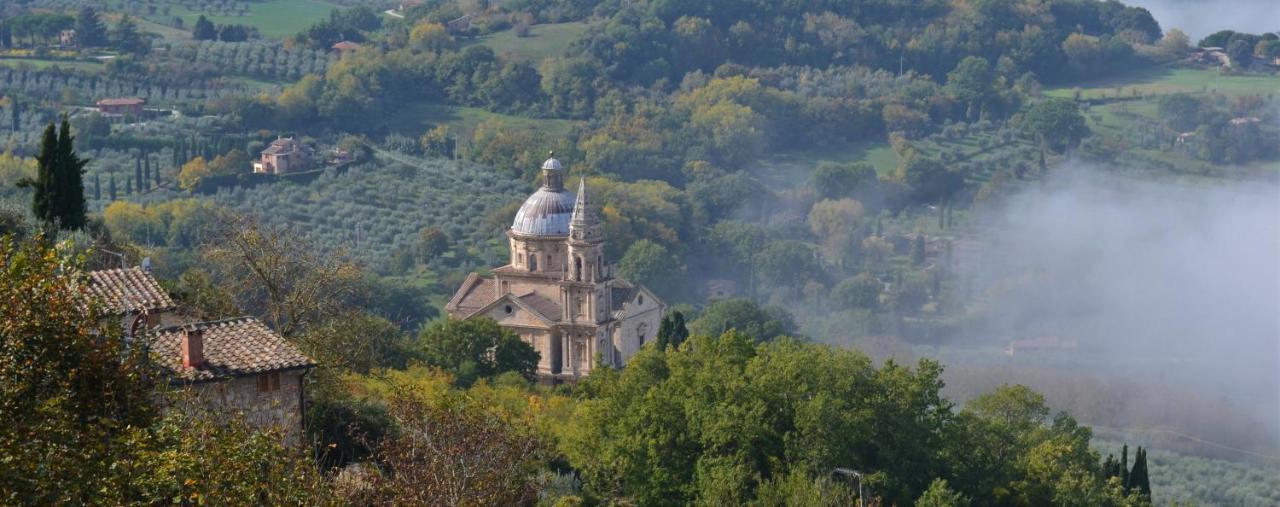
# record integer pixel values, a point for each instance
(640, 300)
(269, 382)
(508, 309)
(640, 332)
(577, 268)
(533, 262)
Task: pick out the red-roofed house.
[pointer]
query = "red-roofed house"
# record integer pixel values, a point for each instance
(283, 155)
(344, 47)
(131, 106)
(239, 366)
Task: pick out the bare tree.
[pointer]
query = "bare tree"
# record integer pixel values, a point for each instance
(273, 273)
(456, 455)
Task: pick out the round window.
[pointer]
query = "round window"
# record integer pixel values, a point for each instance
(640, 300)
(509, 309)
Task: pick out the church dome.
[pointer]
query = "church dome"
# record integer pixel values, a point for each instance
(549, 210)
(545, 213)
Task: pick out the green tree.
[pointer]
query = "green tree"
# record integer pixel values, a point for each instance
(44, 197)
(761, 324)
(125, 37)
(971, 82)
(432, 243)
(1056, 123)
(672, 331)
(204, 29)
(1240, 51)
(90, 32)
(476, 348)
(650, 264)
(833, 180)
(1139, 481)
(72, 393)
(59, 182)
(861, 291)
(940, 494)
(929, 179)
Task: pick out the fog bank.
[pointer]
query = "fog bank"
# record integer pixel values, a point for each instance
(1177, 284)
(1199, 18)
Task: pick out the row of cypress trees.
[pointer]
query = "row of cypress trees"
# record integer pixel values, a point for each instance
(58, 199)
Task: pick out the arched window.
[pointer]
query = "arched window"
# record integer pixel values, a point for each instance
(577, 268)
(640, 332)
(600, 266)
(533, 262)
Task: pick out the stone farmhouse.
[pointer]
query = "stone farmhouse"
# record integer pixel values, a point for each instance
(282, 156)
(133, 296)
(557, 292)
(231, 366)
(236, 366)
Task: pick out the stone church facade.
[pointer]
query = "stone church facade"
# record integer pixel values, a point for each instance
(557, 292)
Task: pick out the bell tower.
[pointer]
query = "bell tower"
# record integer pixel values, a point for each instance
(584, 265)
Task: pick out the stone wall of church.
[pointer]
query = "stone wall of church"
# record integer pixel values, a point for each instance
(640, 326)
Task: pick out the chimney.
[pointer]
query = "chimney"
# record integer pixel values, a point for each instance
(192, 347)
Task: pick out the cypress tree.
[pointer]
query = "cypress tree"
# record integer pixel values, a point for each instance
(679, 332)
(67, 179)
(97, 187)
(1138, 478)
(1124, 467)
(146, 167)
(156, 173)
(43, 200)
(664, 332)
(917, 250)
(111, 187)
(128, 186)
(137, 175)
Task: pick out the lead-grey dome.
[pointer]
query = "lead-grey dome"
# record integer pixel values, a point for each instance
(545, 213)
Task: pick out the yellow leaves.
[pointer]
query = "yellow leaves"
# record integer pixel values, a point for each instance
(192, 172)
(430, 36)
(14, 168)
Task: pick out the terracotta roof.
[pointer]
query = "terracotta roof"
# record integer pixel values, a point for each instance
(345, 46)
(544, 305)
(475, 293)
(122, 291)
(232, 348)
(130, 101)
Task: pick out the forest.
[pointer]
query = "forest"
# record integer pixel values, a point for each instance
(925, 214)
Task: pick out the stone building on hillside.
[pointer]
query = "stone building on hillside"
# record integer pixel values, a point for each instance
(236, 366)
(283, 155)
(127, 106)
(129, 293)
(557, 292)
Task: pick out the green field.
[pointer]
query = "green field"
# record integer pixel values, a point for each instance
(543, 41)
(789, 169)
(276, 19)
(44, 64)
(1165, 80)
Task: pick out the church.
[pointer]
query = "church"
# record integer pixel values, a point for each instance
(557, 292)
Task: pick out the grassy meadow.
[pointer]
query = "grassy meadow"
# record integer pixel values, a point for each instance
(543, 41)
(275, 19)
(1166, 80)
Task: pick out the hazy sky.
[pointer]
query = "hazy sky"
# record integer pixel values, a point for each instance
(1199, 18)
